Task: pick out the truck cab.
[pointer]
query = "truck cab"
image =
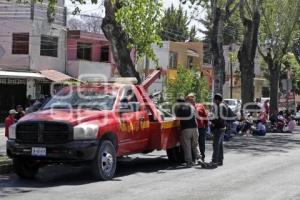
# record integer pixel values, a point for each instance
(91, 124)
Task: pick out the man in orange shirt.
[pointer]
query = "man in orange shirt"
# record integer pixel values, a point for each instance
(10, 120)
(202, 120)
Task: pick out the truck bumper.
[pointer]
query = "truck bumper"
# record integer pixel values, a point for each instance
(75, 151)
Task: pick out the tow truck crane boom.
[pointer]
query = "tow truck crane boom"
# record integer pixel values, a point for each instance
(151, 79)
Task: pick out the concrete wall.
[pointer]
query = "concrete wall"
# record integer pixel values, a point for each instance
(96, 49)
(18, 19)
(81, 67)
(9, 60)
(39, 62)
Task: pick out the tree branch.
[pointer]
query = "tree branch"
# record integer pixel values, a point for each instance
(230, 12)
(288, 38)
(262, 53)
(244, 19)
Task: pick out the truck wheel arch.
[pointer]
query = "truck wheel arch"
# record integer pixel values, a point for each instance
(111, 137)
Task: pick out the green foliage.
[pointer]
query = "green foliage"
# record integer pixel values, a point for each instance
(141, 20)
(290, 62)
(232, 25)
(280, 28)
(175, 25)
(187, 81)
(233, 30)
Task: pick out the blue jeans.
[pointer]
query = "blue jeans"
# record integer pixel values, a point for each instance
(218, 137)
(201, 140)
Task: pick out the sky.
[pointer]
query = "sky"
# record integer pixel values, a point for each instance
(92, 8)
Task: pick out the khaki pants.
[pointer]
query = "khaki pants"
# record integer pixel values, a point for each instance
(189, 142)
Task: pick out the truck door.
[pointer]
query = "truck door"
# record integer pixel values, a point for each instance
(134, 122)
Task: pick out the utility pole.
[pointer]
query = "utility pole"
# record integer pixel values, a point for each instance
(231, 70)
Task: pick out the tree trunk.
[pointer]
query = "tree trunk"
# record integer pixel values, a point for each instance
(274, 85)
(217, 50)
(246, 56)
(119, 41)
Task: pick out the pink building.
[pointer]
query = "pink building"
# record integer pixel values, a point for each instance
(31, 41)
(89, 53)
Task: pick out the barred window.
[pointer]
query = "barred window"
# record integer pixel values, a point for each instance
(20, 43)
(49, 46)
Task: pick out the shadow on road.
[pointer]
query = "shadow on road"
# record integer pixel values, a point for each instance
(61, 175)
(259, 146)
(53, 176)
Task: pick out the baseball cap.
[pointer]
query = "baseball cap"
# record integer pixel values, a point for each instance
(191, 95)
(12, 111)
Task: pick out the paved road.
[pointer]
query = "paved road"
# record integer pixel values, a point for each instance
(255, 168)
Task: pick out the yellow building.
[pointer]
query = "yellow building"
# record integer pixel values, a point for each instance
(169, 56)
(188, 54)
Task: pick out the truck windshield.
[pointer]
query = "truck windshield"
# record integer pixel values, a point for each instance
(98, 98)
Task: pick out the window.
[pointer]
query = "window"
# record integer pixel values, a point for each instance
(20, 43)
(130, 101)
(173, 60)
(84, 51)
(190, 62)
(104, 57)
(49, 45)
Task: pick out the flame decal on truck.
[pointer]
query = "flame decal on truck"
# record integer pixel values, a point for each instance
(134, 127)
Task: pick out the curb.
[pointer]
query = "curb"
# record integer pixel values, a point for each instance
(5, 165)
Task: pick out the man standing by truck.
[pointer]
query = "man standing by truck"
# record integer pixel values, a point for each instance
(218, 130)
(189, 132)
(202, 122)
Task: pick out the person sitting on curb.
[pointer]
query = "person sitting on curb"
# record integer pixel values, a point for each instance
(260, 129)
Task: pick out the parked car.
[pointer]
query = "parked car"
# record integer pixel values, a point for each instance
(233, 104)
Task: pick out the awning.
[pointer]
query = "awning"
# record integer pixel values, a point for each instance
(56, 76)
(11, 74)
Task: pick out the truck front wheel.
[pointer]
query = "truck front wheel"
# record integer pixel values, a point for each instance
(175, 154)
(105, 163)
(25, 169)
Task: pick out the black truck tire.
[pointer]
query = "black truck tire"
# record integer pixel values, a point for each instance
(105, 163)
(25, 169)
(175, 154)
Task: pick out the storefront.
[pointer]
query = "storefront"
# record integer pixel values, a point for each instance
(14, 89)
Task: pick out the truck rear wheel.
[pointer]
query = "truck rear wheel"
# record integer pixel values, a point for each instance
(175, 154)
(105, 163)
(25, 169)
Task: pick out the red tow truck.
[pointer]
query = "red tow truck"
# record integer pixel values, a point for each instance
(93, 124)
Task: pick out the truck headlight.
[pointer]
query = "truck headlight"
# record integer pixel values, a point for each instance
(12, 132)
(85, 131)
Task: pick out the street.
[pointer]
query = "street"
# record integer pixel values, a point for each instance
(254, 168)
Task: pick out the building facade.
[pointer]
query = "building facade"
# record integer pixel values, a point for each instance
(169, 57)
(89, 54)
(32, 40)
(261, 85)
